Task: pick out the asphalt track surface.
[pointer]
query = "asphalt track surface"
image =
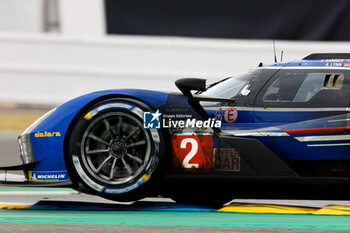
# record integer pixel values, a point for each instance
(92, 220)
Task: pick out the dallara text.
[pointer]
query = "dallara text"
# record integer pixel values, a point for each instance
(277, 131)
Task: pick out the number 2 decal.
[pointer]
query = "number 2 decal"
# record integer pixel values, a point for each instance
(192, 152)
(186, 162)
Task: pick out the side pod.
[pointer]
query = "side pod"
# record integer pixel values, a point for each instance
(261, 160)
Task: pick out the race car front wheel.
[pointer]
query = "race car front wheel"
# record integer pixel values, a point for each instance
(112, 154)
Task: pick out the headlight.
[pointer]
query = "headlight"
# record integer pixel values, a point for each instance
(24, 140)
(25, 147)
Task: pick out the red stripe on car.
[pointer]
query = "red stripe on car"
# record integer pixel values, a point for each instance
(317, 130)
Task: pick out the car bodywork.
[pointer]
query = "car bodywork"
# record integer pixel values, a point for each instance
(48, 148)
(272, 142)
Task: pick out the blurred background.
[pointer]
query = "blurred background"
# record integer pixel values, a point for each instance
(54, 50)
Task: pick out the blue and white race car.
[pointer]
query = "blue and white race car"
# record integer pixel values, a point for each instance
(278, 131)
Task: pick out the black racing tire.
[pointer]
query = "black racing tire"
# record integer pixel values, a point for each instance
(111, 154)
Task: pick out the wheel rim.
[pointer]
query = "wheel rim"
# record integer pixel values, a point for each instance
(115, 148)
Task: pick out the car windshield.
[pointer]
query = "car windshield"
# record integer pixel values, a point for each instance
(229, 87)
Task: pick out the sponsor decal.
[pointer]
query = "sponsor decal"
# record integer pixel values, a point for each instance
(93, 112)
(230, 115)
(176, 110)
(39, 176)
(347, 64)
(334, 64)
(227, 159)
(129, 188)
(218, 114)
(192, 152)
(153, 120)
(46, 134)
(332, 60)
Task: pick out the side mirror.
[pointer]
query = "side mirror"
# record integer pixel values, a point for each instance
(186, 85)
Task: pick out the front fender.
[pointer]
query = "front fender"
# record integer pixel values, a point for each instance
(47, 138)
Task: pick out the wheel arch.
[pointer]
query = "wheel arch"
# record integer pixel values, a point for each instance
(119, 97)
(84, 109)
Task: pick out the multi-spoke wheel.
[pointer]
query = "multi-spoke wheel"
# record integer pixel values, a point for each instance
(111, 152)
(115, 148)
